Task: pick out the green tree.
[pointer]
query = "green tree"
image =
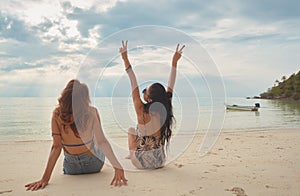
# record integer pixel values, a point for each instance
(288, 88)
(283, 78)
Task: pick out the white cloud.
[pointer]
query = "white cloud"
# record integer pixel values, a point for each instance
(32, 12)
(51, 38)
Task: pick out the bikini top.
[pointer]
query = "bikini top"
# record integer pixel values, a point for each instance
(75, 145)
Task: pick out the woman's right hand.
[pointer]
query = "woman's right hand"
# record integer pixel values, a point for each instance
(177, 55)
(119, 178)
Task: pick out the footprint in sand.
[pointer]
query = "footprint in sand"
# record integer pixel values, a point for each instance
(237, 191)
(216, 165)
(7, 191)
(279, 148)
(6, 180)
(194, 191)
(269, 186)
(213, 153)
(179, 165)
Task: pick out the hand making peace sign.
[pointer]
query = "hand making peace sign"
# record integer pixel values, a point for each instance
(177, 54)
(123, 50)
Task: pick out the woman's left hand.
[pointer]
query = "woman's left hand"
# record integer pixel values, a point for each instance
(119, 178)
(36, 185)
(123, 50)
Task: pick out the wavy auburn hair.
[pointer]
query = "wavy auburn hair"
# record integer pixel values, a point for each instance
(73, 106)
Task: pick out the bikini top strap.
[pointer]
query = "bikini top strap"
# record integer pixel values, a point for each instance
(91, 141)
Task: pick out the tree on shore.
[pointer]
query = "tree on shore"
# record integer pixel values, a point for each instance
(287, 89)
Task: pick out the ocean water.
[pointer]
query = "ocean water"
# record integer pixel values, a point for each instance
(24, 119)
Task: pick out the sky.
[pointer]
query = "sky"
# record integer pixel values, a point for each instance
(245, 45)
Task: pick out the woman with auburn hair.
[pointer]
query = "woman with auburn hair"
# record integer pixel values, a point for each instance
(155, 117)
(76, 128)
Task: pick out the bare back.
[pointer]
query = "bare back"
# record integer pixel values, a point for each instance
(149, 124)
(71, 143)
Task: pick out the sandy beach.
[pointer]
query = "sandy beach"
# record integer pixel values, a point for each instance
(240, 163)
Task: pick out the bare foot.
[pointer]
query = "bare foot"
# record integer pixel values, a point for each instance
(128, 157)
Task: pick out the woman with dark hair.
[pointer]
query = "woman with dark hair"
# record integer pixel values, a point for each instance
(76, 128)
(146, 142)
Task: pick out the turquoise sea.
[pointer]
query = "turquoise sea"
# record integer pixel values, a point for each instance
(23, 119)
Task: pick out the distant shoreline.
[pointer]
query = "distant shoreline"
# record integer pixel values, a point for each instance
(281, 98)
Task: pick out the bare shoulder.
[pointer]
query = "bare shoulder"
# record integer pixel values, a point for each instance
(55, 112)
(94, 111)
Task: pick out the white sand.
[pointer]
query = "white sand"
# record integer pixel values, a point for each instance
(245, 163)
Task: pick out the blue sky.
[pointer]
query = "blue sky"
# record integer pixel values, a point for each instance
(44, 44)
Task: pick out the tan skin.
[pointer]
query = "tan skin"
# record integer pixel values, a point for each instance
(68, 137)
(151, 121)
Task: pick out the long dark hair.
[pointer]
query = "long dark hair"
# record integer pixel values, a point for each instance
(73, 106)
(157, 93)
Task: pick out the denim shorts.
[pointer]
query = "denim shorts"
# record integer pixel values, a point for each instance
(84, 163)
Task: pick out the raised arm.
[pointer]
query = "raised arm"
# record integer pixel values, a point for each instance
(172, 77)
(54, 154)
(138, 104)
(103, 144)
